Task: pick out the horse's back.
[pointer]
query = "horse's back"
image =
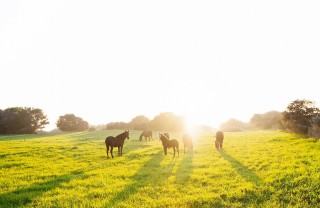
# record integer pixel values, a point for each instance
(186, 139)
(174, 143)
(109, 140)
(219, 136)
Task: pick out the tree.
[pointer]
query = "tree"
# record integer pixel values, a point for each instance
(167, 122)
(233, 125)
(267, 120)
(298, 116)
(139, 123)
(22, 120)
(69, 122)
(117, 125)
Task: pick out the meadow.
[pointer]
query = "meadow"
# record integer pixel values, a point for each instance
(255, 169)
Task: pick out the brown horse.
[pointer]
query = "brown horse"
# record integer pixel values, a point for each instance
(117, 141)
(219, 140)
(167, 143)
(145, 134)
(187, 142)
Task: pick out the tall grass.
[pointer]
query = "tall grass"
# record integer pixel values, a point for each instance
(255, 169)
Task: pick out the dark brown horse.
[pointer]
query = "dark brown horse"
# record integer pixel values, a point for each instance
(117, 141)
(167, 143)
(145, 134)
(187, 142)
(219, 140)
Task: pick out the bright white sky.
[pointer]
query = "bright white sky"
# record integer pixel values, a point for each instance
(110, 61)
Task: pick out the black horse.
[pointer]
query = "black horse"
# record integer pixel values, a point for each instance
(219, 140)
(117, 141)
(145, 134)
(166, 143)
(187, 142)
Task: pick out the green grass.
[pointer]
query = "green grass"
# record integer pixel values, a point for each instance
(255, 169)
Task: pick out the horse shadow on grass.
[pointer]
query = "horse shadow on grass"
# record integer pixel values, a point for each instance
(244, 171)
(150, 173)
(24, 196)
(185, 169)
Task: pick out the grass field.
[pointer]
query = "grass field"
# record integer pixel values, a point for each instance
(255, 169)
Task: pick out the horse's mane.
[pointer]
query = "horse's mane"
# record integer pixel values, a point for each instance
(164, 136)
(121, 135)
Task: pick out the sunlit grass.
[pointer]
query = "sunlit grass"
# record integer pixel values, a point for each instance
(255, 169)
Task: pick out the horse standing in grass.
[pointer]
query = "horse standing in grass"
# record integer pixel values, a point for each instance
(187, 143)
(219, 140)
(167, 143)
(145, 134)
(117, 141)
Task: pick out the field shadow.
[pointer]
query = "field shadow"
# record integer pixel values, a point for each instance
(149, 173)
(244, 171)
(25, 195)
(21, 137)
(185, 169)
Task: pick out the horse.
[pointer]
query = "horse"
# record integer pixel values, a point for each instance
(146, 134)
(187, 143)
(219, 140)
(167, 143)
(117, 141)
(167, 135)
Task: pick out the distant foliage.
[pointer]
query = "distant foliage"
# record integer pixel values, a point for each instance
(117, 125)
(167, 122)
(269, 120)
(314, 130)
(139, 123)
(233, 125)
(299, 116)
(22, 120)
(70, 122)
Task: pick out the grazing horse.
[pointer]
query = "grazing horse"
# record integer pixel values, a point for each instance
(117, 141)
(146, 134)
(219, 140)
(187, 142)
(167, 143)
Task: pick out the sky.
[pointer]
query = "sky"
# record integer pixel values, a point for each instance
(208, 61)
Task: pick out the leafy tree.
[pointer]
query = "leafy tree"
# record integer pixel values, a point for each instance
(69, 122)
(314, 131)
(267, 120)
(117, 125)
(233, 125)
(139, 123)
(298, 116)
(167, 122)
(22, 120)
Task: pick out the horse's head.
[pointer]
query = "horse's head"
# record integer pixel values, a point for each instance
(163, 137)
(127, 134)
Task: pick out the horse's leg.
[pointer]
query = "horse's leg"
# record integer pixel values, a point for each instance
(111, 151)
(174, 152)
(178, 150)
(221, 143)
(165, 150)
(121, 147)
(107, 150)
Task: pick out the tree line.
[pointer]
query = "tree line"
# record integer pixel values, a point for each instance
(300, 116)
(165, 121)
